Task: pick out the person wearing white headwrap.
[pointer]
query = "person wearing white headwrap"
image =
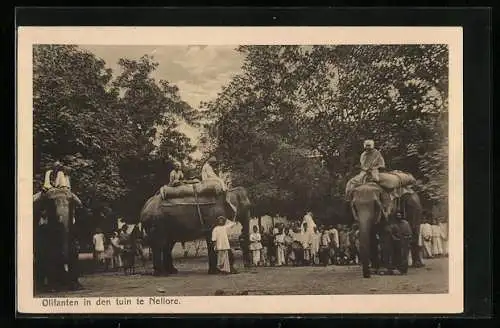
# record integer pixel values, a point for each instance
(208, 173)
(60, 180)
(371, 161)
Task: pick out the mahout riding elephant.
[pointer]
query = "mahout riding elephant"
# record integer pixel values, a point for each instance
(188, 218)
(372, 218)
(55, 249)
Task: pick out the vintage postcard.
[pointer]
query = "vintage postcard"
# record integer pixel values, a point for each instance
(286, 170)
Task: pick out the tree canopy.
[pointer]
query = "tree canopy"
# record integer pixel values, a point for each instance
(292, 100)
(117, 135)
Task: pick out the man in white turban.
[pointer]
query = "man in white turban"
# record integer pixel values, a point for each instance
(56, 177)
(208, 173)
(371, 161)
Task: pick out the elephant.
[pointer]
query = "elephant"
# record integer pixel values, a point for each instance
(372, 218)
(55, 250)
(188, 218)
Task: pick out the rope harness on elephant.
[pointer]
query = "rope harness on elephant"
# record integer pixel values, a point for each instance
(198, 206)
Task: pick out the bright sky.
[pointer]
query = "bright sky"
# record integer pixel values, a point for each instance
(198, 71)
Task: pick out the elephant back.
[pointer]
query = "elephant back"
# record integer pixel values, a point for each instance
(395, 179)
(205, 188)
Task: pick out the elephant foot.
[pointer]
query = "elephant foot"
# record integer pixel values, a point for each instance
(76, 286)
(384, 272)
(367, 274)
(172, 270)
(234, 271)
(401, 271)
(158, 273)
(418, 265)
(212, 271)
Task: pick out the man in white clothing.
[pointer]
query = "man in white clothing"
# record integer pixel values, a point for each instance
(208, 173)
(425, 239)
(98, 241)
(311, 225)
(221, 244)
(443, 225)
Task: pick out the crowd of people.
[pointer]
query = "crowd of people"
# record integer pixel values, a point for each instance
(433, 239)
(296, 244)
(116, 250)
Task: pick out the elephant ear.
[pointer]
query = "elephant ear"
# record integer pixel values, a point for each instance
(384, 209)
(37, 197)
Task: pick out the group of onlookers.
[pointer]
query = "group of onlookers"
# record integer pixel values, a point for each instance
(433, 238)
(297, 244)
(113, 251)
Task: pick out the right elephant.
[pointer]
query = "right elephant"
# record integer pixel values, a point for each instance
(368, 211)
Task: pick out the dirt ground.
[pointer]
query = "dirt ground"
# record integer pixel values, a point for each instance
(193, 280)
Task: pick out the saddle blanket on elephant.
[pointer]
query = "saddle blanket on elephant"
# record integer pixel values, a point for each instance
(201, 189)
(395, 179)
(395, 182)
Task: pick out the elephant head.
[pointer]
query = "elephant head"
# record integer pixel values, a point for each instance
(59, 206)
(367, 210)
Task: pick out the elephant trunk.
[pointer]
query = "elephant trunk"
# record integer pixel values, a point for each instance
(65, 219)
(364, 213)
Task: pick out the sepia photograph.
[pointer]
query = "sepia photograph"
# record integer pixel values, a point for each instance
(303, 166)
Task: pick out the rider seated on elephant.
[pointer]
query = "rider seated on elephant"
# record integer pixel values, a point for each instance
(208, 173)
(371, 161)
(56, 177)
(176, 176)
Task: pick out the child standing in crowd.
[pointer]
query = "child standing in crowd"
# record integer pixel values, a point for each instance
(98, 242)
(117, 250)
(316, 236)
(307, 242)
(280, 248)
(255, 245)
(289, 255)
(324, 247)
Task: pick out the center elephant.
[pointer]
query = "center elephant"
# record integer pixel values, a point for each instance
(367, 209)
(189, 218)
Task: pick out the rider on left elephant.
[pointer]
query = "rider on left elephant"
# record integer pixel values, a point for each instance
(56, 177)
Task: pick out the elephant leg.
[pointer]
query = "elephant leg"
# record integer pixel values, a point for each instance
(367, 241)
(168, 261)
(212, 257)
(157, 260)
(374, 251)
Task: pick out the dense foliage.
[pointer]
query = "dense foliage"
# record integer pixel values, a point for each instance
(104, 128)
(290, 101)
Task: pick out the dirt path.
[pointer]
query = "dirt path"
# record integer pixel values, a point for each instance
(193, 280)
